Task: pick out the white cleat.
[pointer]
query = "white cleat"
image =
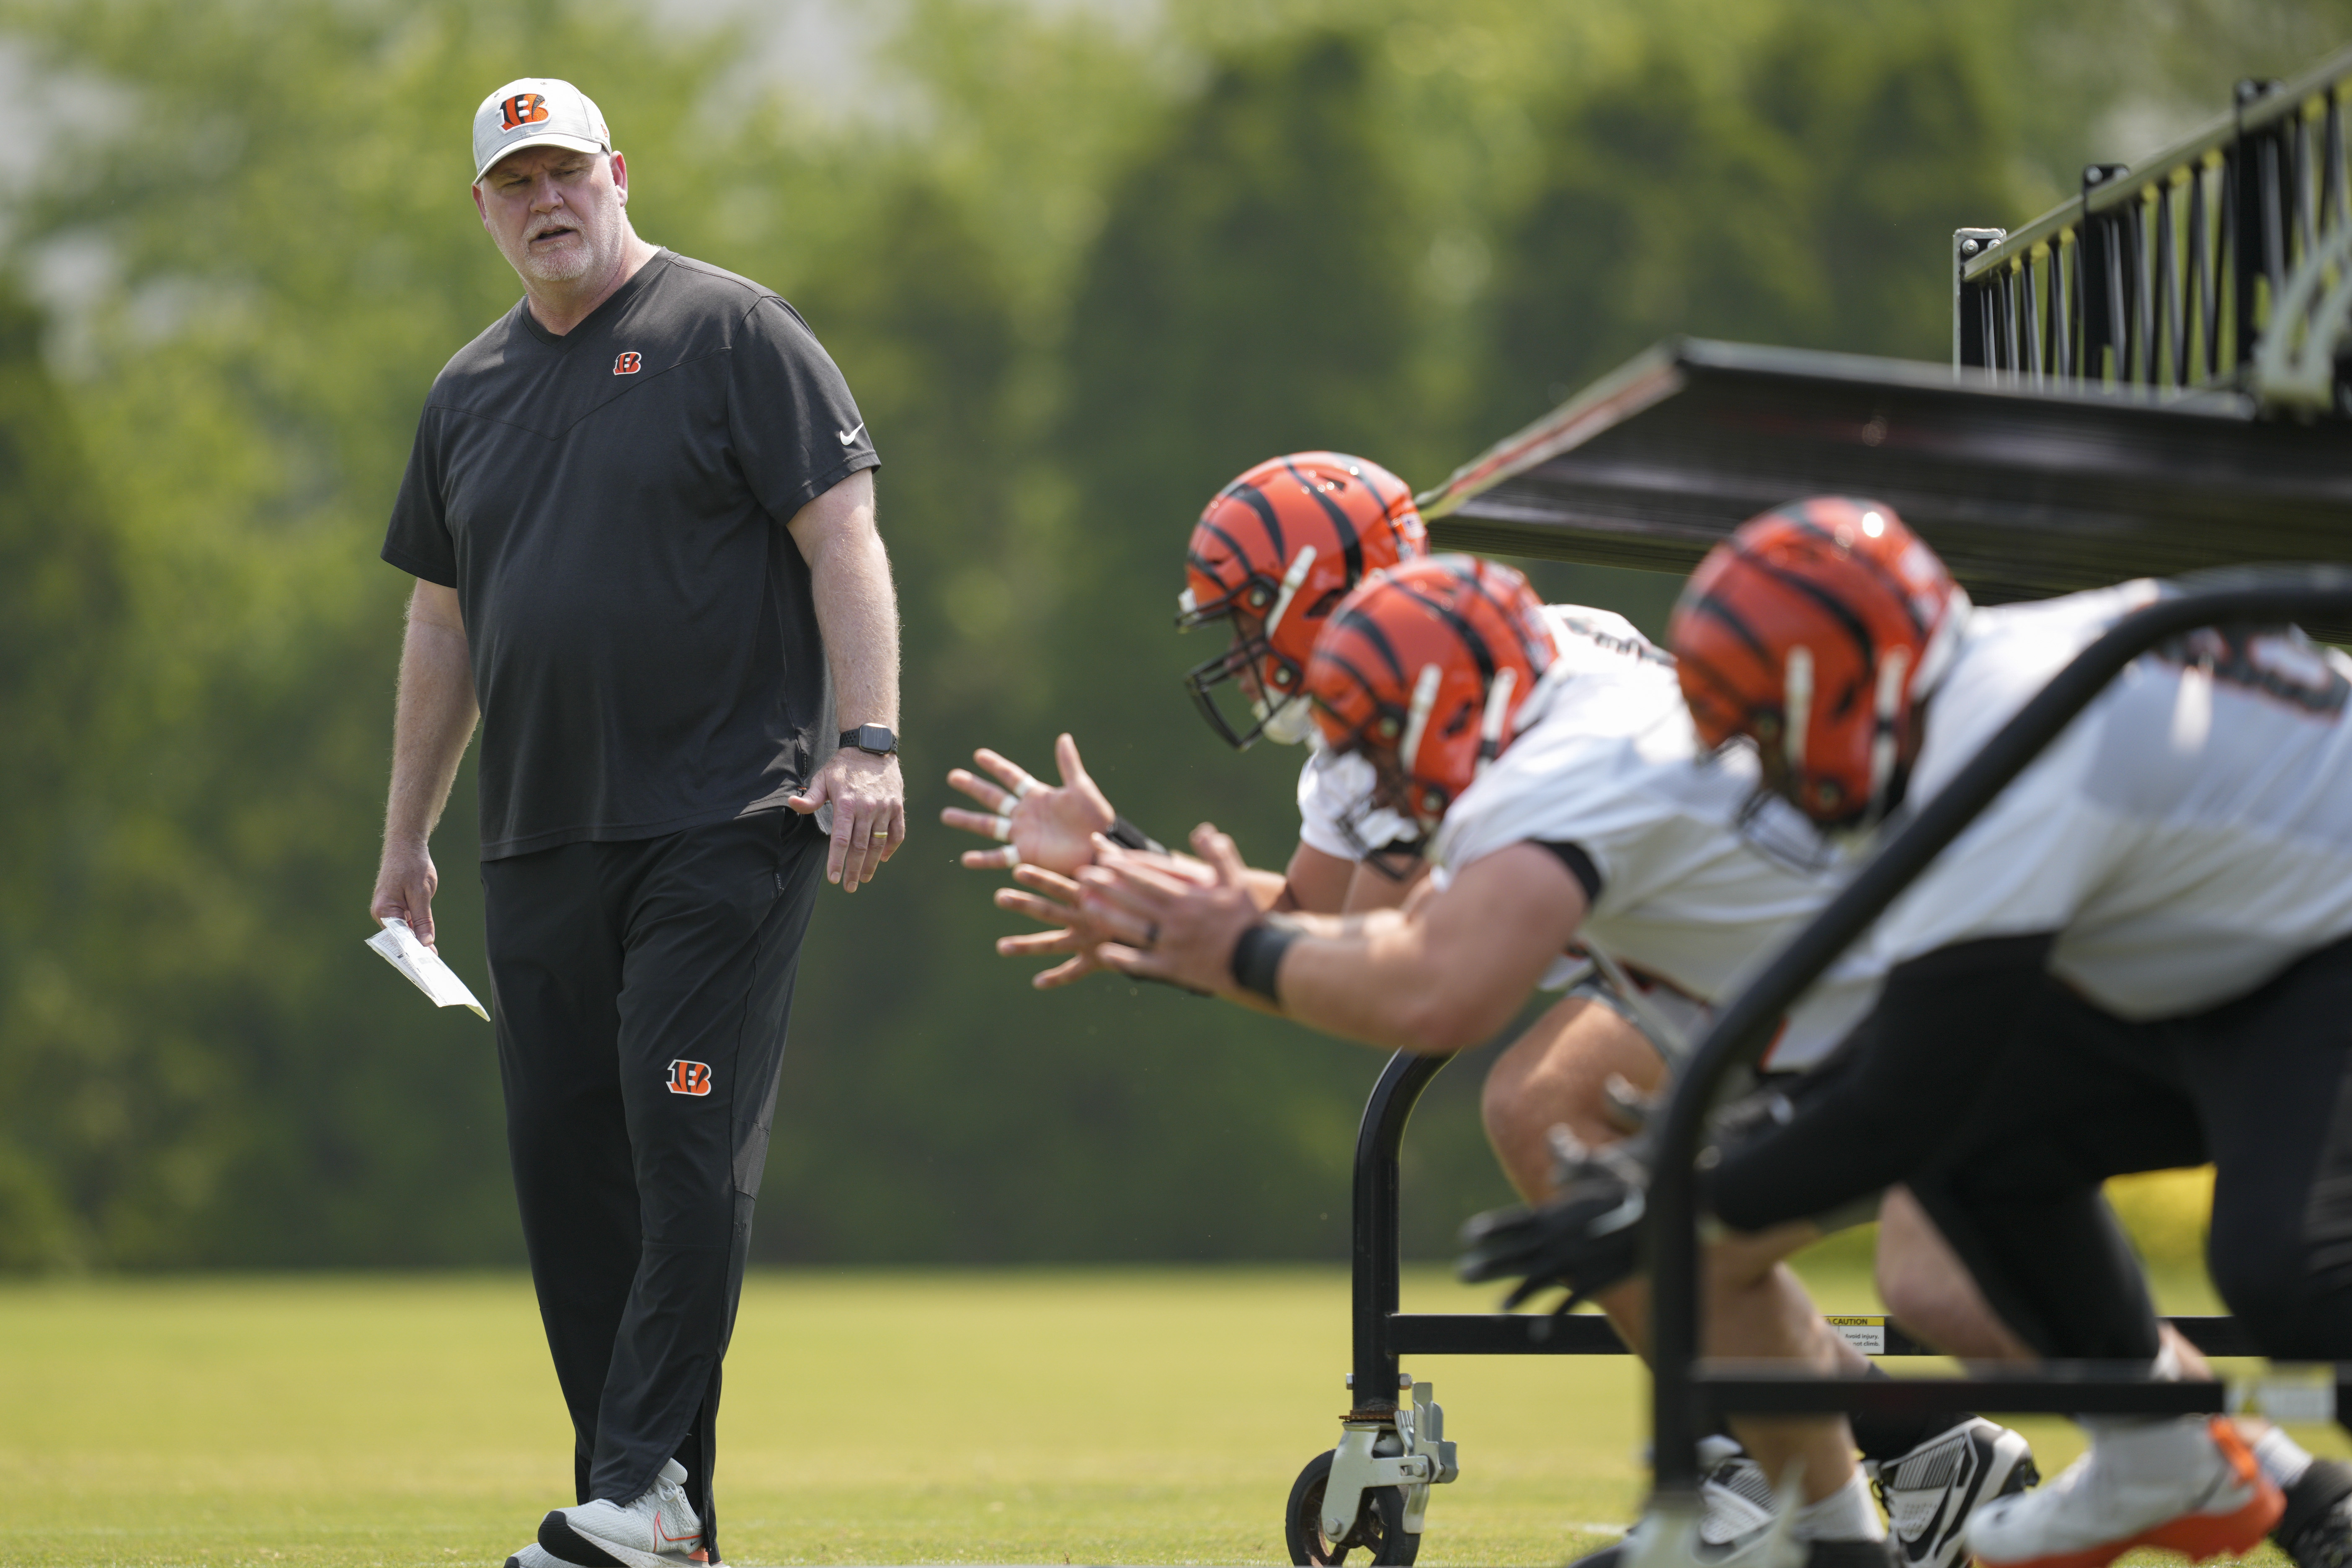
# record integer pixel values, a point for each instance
(1736, 1503)
(1929, 1492)
(1705, 1531)
(1735, 1510)
(2188, 1485)
(658, 1529)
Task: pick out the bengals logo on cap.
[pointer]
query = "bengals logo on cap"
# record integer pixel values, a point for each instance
(523, 109)
(629, 364)
(690, 1078)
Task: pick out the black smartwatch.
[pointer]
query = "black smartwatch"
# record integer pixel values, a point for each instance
(876, 739)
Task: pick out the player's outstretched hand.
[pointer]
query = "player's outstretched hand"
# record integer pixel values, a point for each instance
(1171, 919)
(1053, 902)
(1053, 825)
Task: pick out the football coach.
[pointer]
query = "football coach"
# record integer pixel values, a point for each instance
(640, 516)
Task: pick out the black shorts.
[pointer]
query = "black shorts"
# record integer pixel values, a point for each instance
(2259, 1087)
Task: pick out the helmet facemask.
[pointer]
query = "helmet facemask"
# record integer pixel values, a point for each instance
(1270, 684)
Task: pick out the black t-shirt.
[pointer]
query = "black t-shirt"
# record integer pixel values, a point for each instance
(609, 505)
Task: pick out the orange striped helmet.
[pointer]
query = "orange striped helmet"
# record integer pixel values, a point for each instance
(1423, 670)
(1273, 553)
(1813, 630)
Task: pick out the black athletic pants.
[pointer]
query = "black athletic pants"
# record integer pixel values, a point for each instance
(642, 991)
(2005, 1100)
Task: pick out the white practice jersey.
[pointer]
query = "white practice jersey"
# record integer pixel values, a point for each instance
(1335, 792)
(1700, 881)
(2188, 838)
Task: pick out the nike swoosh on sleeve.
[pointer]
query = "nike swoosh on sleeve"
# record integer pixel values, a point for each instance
(849, 437)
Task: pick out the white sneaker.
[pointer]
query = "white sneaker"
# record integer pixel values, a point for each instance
(536, 1556)
(658, 1529)
(1929, 1492)
(1736, 1509)
(1736, 1502)
(2188, 1485)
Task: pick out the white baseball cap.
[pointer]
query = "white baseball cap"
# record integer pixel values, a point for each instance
(536, 111)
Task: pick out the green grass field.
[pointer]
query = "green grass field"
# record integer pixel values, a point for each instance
(1130, 1416)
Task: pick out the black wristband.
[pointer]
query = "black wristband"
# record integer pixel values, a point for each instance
(1127, 835)
(1257, 958)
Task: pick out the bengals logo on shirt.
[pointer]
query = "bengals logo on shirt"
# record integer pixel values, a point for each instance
(523, 109)
(629, 364)
(690, 1078)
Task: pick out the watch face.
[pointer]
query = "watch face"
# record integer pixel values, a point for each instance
(875, 737)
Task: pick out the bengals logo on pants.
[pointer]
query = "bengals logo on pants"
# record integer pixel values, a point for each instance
(523, 109)
(690, 1078)
(629, 364)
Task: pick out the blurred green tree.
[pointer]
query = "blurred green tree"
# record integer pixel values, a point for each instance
(1251, 293)
(1812, 202)
(1232, 304)
(62, 624)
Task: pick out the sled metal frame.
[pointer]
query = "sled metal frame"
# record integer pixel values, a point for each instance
(1384, 1334)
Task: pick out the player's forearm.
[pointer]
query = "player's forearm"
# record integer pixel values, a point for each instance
(432, 721)
(856, 605)
(1315, 882)
(1379, 980)
(1369, 888)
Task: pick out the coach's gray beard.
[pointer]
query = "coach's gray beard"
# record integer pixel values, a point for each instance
(563, 267)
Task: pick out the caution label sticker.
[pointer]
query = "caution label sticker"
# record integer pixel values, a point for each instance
(1867, 1335)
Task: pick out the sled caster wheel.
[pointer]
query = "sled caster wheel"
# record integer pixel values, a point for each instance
(1379, 1531)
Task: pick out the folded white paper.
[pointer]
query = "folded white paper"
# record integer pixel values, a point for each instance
(400, 948)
